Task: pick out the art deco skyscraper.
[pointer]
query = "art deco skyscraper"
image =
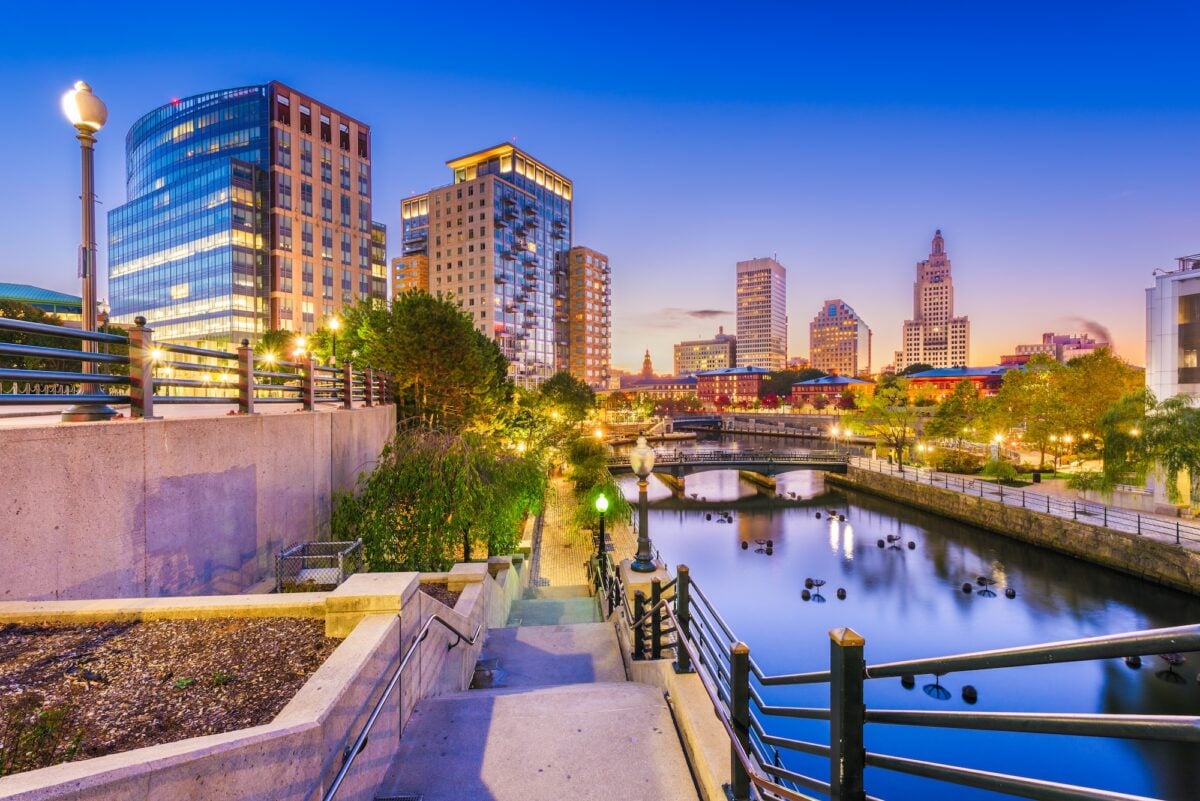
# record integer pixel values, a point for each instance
(761, 314)
(248, 209)
(934, 336)
(495, 240)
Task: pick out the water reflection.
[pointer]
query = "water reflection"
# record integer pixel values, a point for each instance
(909, 603)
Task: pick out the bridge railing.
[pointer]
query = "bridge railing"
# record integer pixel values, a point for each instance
(689, 626)
(706, 456)
(150, 373)
(1089, 512)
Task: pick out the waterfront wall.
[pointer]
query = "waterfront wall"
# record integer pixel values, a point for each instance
(181, 506)
(1160, 562)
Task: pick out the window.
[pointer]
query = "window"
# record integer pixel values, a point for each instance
(283, 148)
(305, 120)
(327, 205)
(326, 131)
(326, 165)
(343, 136)
(326, 242)
(306, 241)
(345, 210)
(284, 193)
(305, 157)
(283, 109)
(306, 198)
(362, 145)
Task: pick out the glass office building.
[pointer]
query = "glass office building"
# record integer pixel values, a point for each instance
(188, 251)
(248, 209)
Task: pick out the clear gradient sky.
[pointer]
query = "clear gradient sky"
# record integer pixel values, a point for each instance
(1055, 144)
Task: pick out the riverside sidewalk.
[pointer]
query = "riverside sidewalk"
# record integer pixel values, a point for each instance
(561, 549)
(1162, 528)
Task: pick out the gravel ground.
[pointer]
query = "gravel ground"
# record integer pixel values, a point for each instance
(137, 684)
(439, 591)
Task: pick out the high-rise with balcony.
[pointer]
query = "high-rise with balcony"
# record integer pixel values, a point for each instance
(248, 209)
(496, 241)
(761, 314)
(839, 341)
(934, 336)
(589, 293)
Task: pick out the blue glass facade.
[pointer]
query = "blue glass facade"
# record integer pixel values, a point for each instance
(189, 250)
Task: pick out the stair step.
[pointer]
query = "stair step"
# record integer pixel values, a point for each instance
(553, 612)
(543, 656)
(401, 797)
(560, 591)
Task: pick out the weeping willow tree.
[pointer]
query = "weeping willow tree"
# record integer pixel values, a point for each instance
(588, 473)
(435, 498)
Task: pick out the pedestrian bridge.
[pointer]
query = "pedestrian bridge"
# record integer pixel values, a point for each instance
(679, 463)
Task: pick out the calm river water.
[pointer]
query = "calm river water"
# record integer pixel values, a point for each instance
(909, 604)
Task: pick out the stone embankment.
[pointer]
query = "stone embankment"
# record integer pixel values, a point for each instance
(1160, 562)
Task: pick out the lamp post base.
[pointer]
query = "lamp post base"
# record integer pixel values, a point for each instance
(640, 565)
(88, 413)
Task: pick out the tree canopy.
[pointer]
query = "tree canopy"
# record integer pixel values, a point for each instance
(889, 416)
(569, 396)
(780, 382)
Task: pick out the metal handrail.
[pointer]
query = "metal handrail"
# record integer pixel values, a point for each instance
(759, 743)
(59, 331)
(360, 742)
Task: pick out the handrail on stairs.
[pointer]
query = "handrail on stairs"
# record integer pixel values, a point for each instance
(351, 753)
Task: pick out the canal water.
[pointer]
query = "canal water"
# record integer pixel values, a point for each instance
(909, 603)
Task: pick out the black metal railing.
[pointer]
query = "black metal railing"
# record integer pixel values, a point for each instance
(687, 624)
(1089, 512)
(176, 374)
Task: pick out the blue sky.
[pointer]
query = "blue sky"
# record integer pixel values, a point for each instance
(1054, 144)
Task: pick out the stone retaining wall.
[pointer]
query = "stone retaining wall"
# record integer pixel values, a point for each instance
(1159, 562)
(296, 756)
(181, 506)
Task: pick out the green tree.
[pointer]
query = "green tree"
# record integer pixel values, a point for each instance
(1090, 385)
(444, 373)
(573, 399)
(1172, 441)
(1121, 430)
(276, 341)
(912, 369)
(16, 310)
(955, 414)
(888, 416)
(1032, 398)
(780, 382)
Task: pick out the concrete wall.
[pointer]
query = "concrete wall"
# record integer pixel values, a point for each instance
(183, 506)
(1159, 562)
(296, 756)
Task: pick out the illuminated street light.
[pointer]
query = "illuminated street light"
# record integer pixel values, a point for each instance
(598, 433)
(88, 114)
(601, 507)
(334, 325)
(641, 461)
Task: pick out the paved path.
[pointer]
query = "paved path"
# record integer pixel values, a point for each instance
(562, 549)
(1162, 528)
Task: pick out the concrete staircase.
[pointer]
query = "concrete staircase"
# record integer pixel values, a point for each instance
(562, 722)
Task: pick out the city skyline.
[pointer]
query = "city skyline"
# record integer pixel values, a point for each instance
(1061, 187)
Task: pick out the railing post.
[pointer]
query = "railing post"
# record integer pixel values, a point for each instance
(1176, 532)
(1074, 509)
(369, 386)
(245, 378)
(739, 717)
(683, 618)
(347, 385)
(639, 636)
(1139, 524)
(141, 370)
(1022, 499)
(1106, 516)
(309, 392)
(847, 715)
(655, 619)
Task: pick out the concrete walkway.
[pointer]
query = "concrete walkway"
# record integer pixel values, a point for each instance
(564, 720)
(561, 549)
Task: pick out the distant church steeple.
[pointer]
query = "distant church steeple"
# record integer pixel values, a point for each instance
(647, 367)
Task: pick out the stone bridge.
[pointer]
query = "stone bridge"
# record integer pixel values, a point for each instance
(760, 467)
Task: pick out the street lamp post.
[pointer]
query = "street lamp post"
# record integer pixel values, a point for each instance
(88, 114)
(835, 431)
(601, 507)
(641, 460)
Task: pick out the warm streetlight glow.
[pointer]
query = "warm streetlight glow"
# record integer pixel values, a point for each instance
(1067, 438)
(598, 433)
(1135, 432)
(334, 323)
(554, 414)
(835, 431)
(998, 438)
(269, 357)
(85, 111)
(601, 504)
(156, 354)
(300, 343)
(521, 447)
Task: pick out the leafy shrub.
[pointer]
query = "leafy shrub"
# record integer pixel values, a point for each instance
(1000, 470)
(1086, 480)
(949, 461)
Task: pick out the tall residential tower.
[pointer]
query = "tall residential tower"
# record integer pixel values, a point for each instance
(839, 341)
(496, 241)
(761, 314)
(248, 209)
(934, 336)
(588, 327)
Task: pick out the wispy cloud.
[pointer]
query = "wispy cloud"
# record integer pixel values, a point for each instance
(672, 318)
